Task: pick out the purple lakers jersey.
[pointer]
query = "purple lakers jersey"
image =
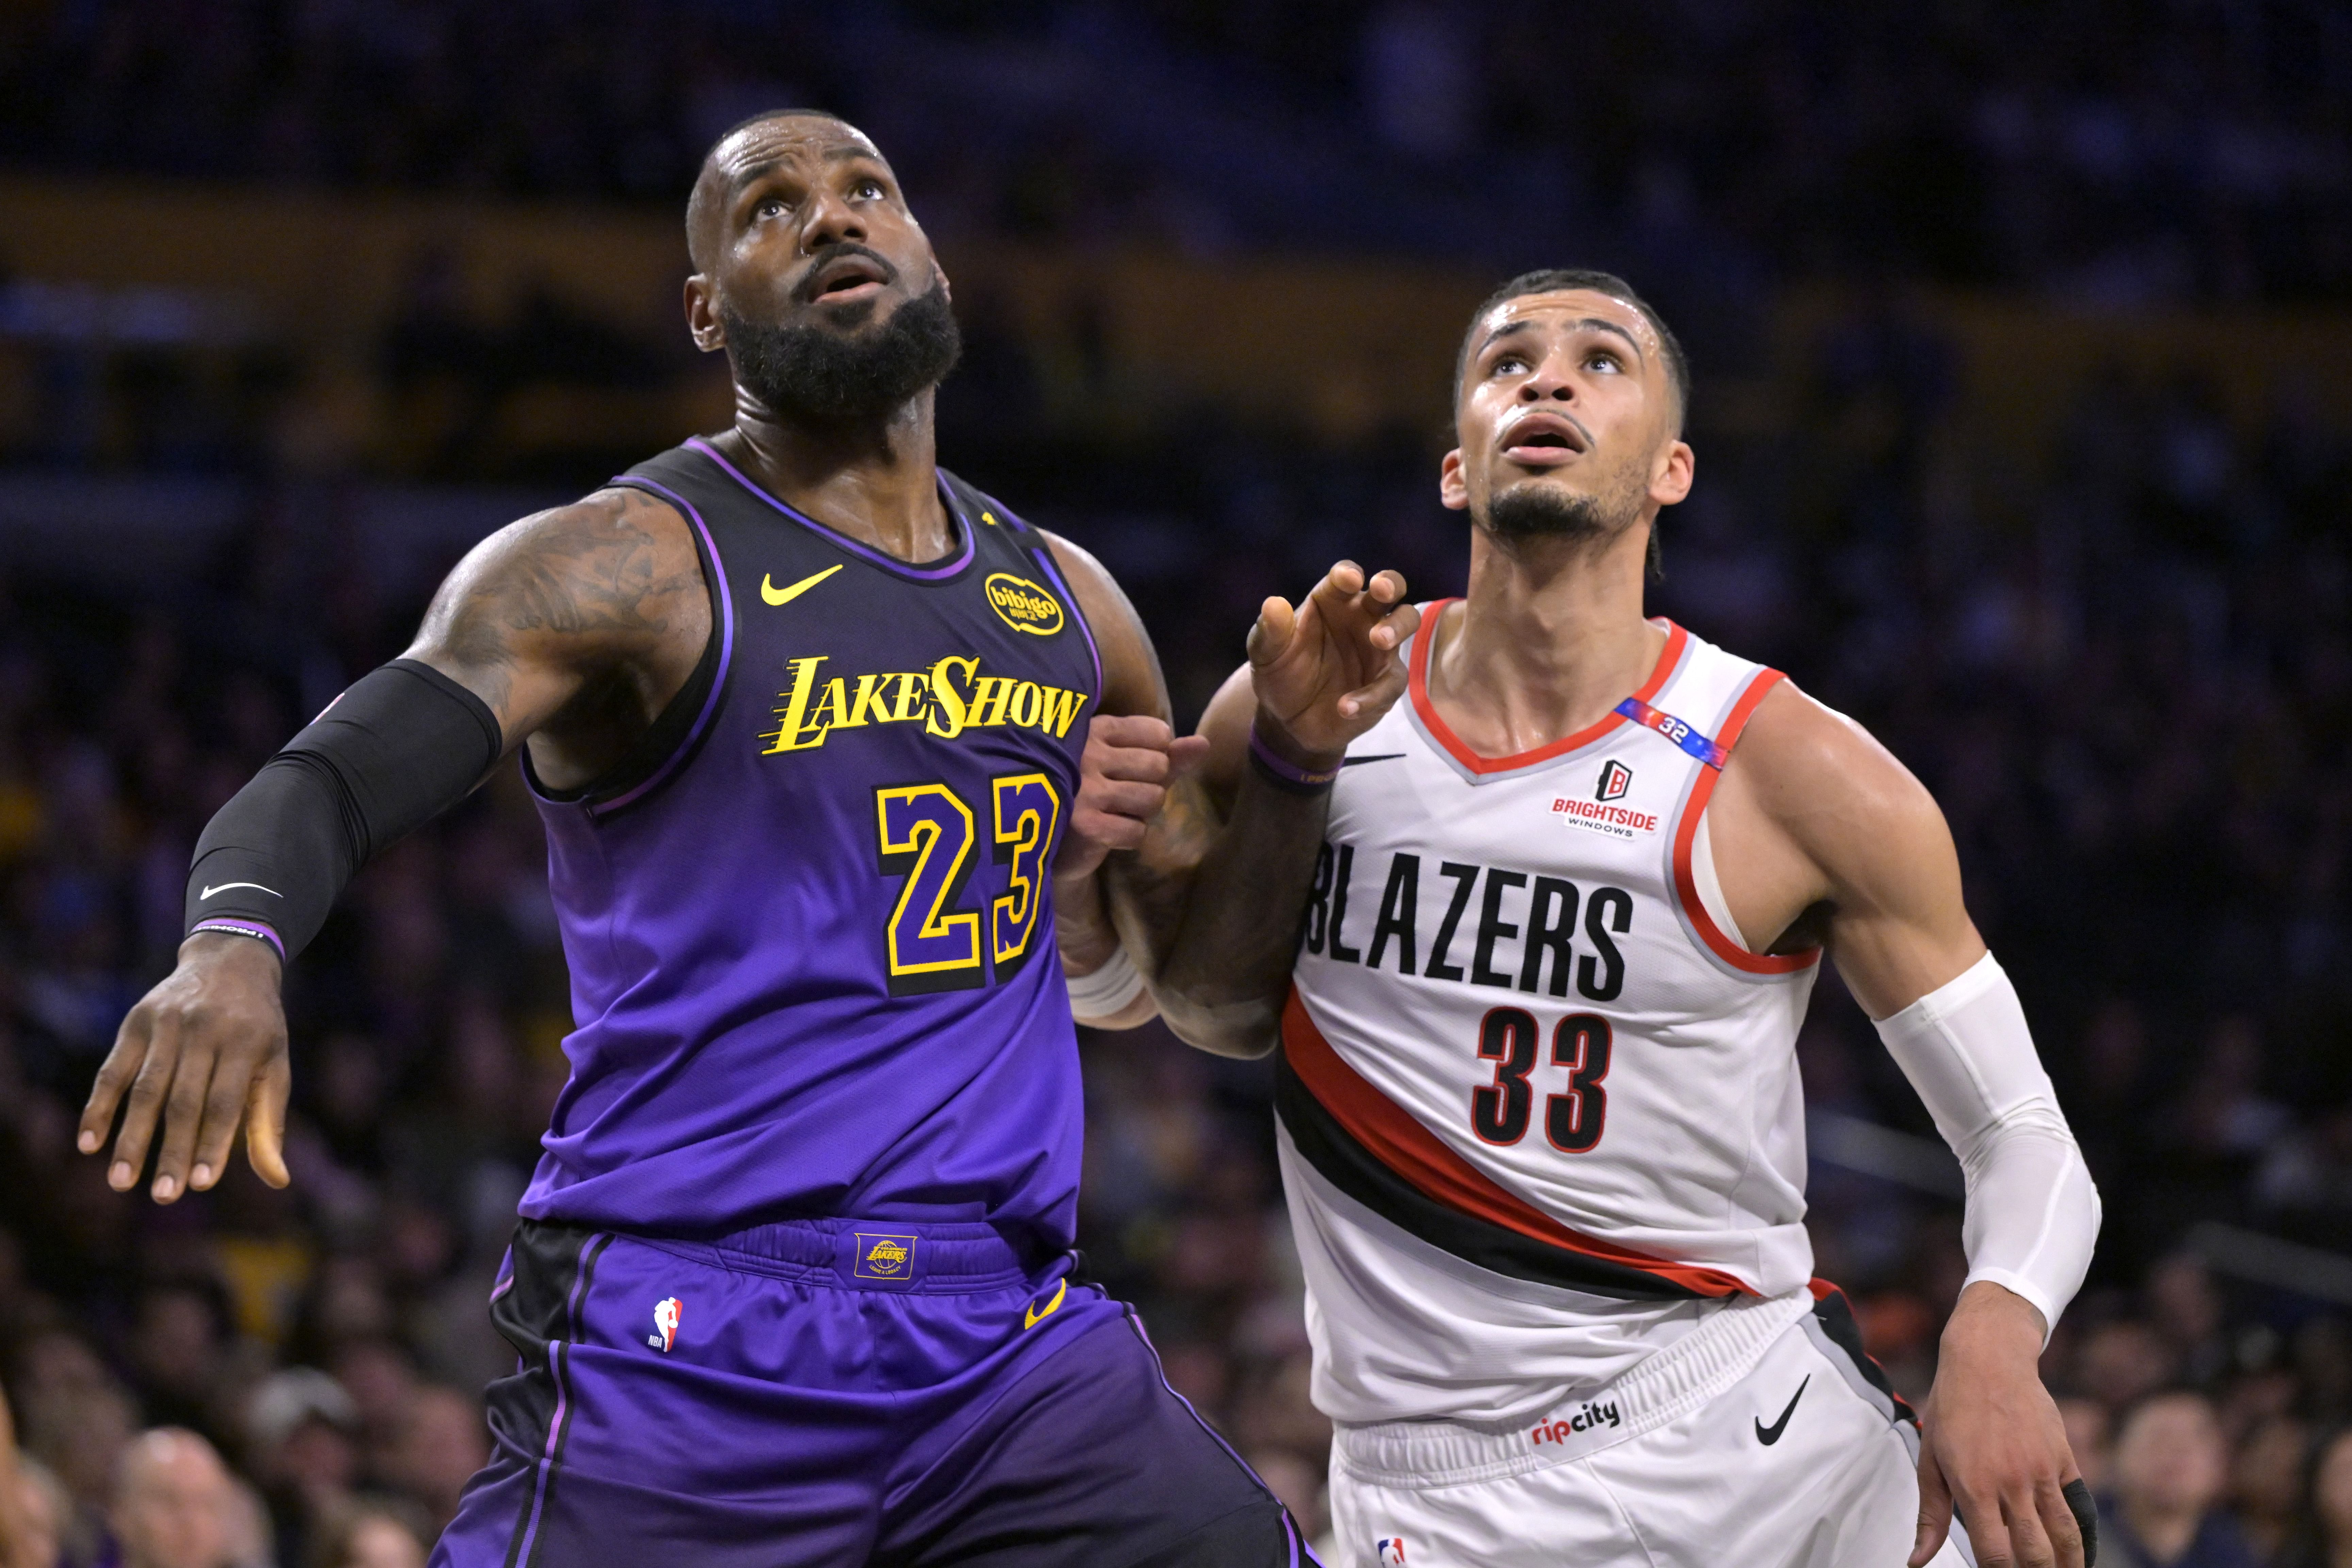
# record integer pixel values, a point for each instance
(809, 920)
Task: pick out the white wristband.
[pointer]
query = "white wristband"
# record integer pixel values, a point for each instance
(1107, 991)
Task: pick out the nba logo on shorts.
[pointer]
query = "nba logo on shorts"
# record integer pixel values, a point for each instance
(1392, 1549)
(1616, 778)
(665, 1314)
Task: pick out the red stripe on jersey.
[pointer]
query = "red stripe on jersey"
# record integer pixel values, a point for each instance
(1687, 834)
(1392, 1135)
(1418, 684)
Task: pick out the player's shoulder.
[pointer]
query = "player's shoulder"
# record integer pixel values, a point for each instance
(1823, 778)
(613, 527)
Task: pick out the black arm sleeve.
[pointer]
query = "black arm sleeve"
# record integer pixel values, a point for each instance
(404, 744)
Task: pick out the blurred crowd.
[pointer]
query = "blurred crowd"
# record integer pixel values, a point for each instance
(2130, 154)
(2121, 656)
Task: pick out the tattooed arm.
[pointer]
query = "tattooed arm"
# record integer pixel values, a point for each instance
(574, 628)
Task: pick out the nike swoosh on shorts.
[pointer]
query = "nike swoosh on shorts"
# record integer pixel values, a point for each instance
(1768, 1436)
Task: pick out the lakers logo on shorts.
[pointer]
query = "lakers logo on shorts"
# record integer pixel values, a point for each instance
(1022, 605)
(885, 1257)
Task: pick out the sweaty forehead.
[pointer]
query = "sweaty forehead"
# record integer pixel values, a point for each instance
(1564, 308)
(795, 138)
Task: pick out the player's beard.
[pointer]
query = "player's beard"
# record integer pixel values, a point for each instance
(826, 377)
(1536, 511)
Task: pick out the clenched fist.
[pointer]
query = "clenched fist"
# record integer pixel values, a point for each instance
(1123, 775)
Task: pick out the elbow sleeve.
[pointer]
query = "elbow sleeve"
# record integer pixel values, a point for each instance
(404, 744)
(2032, 1211)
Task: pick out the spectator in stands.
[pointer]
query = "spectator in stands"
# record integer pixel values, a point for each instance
(2166, 1481)
(377, 1532)
(2088, 1426)
(175, 1505)
(175, 1355)
(440, 1445)
(2322, 1529)
(302, 1450)
(2266, 1483)
(42, 1510)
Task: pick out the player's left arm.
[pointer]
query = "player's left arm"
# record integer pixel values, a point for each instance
(1891, 913)
(1132, 755)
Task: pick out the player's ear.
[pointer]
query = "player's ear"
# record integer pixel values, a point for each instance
(1671, 476)
(702, 315)
(1452, 488)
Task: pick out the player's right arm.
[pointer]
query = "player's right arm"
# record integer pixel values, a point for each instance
(1825, 837)
(576, 625)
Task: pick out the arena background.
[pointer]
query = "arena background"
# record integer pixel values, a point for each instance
(2022, 338)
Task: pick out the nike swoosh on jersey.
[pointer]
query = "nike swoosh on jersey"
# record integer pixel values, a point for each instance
(1375, 757)
(224, 887)
(1033, 1317)
(1768, 1436)
(775, 596)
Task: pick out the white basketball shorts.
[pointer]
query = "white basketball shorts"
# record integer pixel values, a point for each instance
(1764, 1438)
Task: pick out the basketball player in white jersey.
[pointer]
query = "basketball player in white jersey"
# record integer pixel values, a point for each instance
(1541, 1122)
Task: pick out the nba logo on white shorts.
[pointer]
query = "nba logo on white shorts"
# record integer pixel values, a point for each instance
(1392, 1549)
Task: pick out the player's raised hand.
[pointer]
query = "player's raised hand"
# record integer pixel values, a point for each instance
(203, 1051)
(1123, 776)
(1327, 670)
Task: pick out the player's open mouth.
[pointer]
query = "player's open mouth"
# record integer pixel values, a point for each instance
(1544, 440)
(848, 279)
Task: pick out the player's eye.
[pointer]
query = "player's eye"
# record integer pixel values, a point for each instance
(771, 206)
(1509, 364)
(1604, 362)
(868, 190)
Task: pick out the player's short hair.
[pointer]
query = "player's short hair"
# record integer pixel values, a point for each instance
(1555, 279)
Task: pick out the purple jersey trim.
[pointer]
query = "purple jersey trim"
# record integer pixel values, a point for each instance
(1045, 559)
(726, 653)
(881, 558)
(245, 928)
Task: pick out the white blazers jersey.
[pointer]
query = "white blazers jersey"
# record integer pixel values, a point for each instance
(1539, 1111)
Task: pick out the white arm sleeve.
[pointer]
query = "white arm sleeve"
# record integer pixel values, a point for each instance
(2032, 1211)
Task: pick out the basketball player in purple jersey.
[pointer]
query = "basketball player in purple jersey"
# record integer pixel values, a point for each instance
(803, 715)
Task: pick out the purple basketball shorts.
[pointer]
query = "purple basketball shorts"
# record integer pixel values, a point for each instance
(831, 1393)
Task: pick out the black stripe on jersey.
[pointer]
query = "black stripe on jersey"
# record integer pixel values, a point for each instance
(1347, 1165)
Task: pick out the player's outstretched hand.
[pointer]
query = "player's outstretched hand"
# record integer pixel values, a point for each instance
(1992, 1444)
(1123, 775)
(1325, 671)
(199, 1053)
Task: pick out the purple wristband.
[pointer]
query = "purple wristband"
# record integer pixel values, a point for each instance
(1286, 775)
(254, 929)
